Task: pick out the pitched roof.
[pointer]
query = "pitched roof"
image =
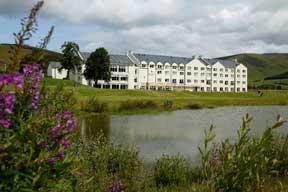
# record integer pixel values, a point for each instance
(226, 63)
(114, 59)
(162, 58)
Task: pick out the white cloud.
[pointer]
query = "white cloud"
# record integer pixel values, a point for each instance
(178, 27)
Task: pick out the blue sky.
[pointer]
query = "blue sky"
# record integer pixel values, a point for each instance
(172, 27)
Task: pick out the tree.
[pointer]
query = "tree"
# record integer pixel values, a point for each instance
(98, 66)
(71, 60)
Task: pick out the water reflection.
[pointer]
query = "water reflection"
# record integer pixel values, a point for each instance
(179, 131)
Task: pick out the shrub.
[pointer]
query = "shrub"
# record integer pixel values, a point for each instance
(94, 105)
(241, 165)
(111, 164)
(168, 104)
(137, 104)
(35, 135)
(170, 170)
(194, 106)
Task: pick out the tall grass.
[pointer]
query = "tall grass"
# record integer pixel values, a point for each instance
(137, 105)
(95, 106)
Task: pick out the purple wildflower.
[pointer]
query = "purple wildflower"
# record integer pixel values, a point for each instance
(61, 154)
(65, 143)
(18, 80)
(67, 115)
(6, 123)
(35, 100)
(70, 124)
(52, 160)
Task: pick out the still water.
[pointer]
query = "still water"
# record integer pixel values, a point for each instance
(179, 131)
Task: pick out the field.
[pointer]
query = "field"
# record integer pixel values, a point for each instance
(180, 100)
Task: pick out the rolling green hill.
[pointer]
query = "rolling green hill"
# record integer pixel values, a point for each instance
(261, 66)
(4, 53)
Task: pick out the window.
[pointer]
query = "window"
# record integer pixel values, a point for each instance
(226, 89)
(188, 73)
(226, 70)
(159, 66)
(189, 81)
(181, 67)
(166, 72)
(244, 76)
(208, 82)
(196, 74)
(202, 81)
(214, 74)
(226, 75)
(195, 81)
(238, 75)
(221, 70)
(189, 68)
(159, 80)
(124, 78)
(238, 82)
(167, 66)
(244, 82)
(244, 89)
(144, 65)
(174, 72)
(174, 81)
(244, 71)
(135, 71)
(221, 75)
(214, 88)
(122, 69)
(159, 72)
(238, 70)
(208, 69)
(226, 82)
(221, 82)
(135, 80)
(238, 89)
(115, 78)
(202, 68)
(114, 69)
(181, 81)
(167, 80)
(232, 89)
(195, 68)
(214, 81)
(202, 74)
(221, 88)
(174, 67)
(208, 89)
(232, 83)
(181, 73)
(233, 76)
(151, 66)
(214, 69)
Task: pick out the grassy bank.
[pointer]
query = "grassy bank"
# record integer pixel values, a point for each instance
(128, 101)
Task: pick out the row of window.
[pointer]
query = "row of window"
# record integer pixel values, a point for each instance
(208, 89)
(208, 82)
(201, 74)
(116, 78)
(120, 69)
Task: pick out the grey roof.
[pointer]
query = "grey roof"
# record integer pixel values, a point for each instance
(162, 58)
(114, 59)
(55, 65)
(226, 63)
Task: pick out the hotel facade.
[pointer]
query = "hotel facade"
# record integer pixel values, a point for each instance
(156, 72)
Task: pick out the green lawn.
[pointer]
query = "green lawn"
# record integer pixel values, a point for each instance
(180, 99)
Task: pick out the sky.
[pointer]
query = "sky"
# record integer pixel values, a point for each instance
(210, 28)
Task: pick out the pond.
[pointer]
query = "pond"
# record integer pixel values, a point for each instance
(179, 131)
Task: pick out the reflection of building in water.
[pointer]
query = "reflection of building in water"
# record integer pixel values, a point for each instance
(156, 72)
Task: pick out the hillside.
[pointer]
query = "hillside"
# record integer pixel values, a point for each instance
(4, 52)
(261, 66)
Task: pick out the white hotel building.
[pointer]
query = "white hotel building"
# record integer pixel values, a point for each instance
(156, 72)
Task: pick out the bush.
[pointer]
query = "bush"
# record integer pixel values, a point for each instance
(111, 164)
(137, 104)
(244, 164)
(168, 104)
(94, 105)
(194, 106)
(170, 170)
